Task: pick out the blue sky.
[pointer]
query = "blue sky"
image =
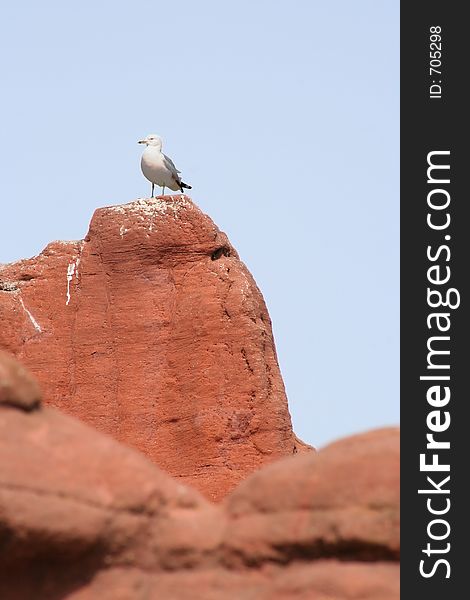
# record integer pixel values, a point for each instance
(284, 116)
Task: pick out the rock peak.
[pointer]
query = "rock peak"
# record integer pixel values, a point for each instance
(152, 206)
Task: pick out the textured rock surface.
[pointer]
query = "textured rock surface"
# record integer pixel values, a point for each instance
(83, 517)
(153, 330)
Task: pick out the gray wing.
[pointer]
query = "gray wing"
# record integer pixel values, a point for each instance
(170, 165)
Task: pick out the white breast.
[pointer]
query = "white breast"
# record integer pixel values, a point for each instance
(154, 169)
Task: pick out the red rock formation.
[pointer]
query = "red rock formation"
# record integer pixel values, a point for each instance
(342, 502)
(153, 330)
(73, 502)
(17, 387)
(85, 518)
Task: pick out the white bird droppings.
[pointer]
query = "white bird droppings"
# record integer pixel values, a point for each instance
(146, 207)
(72, 270)
(35, 324)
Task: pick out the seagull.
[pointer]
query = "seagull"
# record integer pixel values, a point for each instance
(158, 168)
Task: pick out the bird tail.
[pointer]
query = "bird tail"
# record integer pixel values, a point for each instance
(184, 186)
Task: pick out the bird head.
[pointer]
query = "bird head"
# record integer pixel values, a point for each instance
(152, 140)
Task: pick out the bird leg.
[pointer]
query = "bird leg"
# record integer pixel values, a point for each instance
(153, 185)
(163, 190)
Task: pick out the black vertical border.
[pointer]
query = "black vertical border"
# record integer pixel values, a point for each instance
(427, 125)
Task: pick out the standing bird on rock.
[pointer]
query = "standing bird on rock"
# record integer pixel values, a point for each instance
(158, 168)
